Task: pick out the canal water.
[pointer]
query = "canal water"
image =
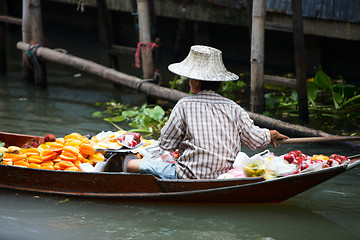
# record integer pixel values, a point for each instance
(328, 211)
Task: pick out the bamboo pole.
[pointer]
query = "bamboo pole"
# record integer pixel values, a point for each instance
(145, 38)
(32, 31)
(300, 61)
(257, 100)
(106, 73)
(12, 20)
(319, 139)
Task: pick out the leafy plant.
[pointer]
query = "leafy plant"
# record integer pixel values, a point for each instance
(181, 83)
(335, 104)
(231, 89)
(145, 119)
(342, 94)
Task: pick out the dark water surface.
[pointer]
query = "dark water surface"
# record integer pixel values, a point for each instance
(328, 211)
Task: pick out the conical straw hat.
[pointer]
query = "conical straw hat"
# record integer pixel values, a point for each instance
(203, 63)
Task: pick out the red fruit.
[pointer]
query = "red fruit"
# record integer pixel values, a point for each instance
(290, 157)
(303, 155)
(338, 159)
(304, 166)
(49, 138)
(132, 143)
(296, 152)
(300, 159)
(325, 165)
(333, 156)
(344, 159)
(330, 162)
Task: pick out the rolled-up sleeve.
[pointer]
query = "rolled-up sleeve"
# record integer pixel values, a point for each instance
(252, 136)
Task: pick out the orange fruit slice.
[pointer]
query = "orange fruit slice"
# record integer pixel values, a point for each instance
(35, 159)
(30, 152)
(71, 149)
(75, 135)
(77, 163)
(21, 163)
(47, 167)
(56, 166)
(65, 164)
(60, 140)
(87, 149)
(48, 163)
(97, 157)
(7, 161)
(73, 142)
(71, 169)
(47, 155)
(55, 146)
(57, 159)
(19, 157)
(34, 165)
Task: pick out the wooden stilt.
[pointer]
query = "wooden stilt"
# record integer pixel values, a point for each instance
(300, 61)
(257, 100)
(3, 62)
(32, 30)
(145, 38)
(106, 27)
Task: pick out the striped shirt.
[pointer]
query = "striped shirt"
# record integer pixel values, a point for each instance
(208, 130)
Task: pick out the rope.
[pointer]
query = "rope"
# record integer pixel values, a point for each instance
(148, 47)
(32, 53)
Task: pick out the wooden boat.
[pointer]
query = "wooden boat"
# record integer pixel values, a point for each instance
(119, 185)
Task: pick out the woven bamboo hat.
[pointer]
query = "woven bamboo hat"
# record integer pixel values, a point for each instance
(203, 63)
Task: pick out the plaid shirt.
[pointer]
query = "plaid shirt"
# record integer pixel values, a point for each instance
(208, 130)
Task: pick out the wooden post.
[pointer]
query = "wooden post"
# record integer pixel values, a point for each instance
(300, 61)
(106, 28)
(249, 8)
(3, 62)
(145, 38)
(257, 100)
(32, 32)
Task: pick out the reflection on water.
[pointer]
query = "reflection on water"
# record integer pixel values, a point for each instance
(63, 107)
(29, 216)
(328, 211)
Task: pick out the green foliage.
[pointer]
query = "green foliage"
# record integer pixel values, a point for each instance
(181, 83)
(232, 89)
(334, 103)
(146, 119)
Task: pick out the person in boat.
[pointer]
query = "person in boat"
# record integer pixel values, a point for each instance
(207, 129)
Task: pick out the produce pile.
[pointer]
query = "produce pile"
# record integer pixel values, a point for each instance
(53, 153)
(269, 166)
(74, 152)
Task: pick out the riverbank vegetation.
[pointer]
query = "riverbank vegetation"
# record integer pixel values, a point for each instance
(334, 105)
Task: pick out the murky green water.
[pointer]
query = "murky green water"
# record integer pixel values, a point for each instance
(329, 211)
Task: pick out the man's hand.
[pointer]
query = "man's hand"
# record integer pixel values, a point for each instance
(275, 135)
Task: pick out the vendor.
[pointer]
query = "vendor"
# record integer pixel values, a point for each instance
(207, 128)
